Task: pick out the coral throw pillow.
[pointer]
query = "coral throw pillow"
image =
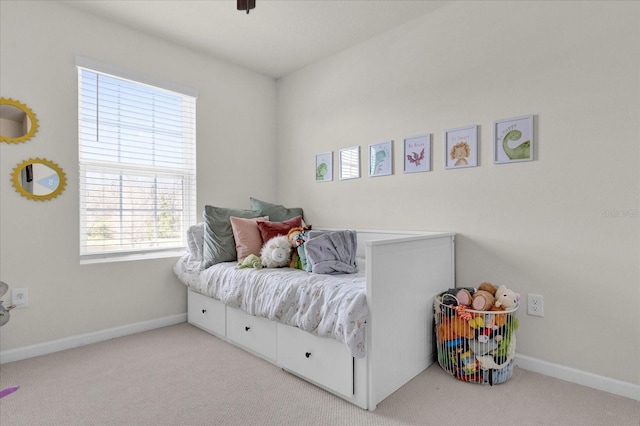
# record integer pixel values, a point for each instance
(247, 235)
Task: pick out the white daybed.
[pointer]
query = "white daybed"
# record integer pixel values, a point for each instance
(404, 271)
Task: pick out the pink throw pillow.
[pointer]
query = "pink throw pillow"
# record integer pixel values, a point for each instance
(247, 235)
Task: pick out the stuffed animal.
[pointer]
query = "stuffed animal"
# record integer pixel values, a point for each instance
(444, 332)
(488, 287)
(295, 236)
(464, 296)
(296, 239)
(276, 253)
(506, 298)
(461, 327)
(482, 300)
(488, 362)
(461, 296)
(251, 261)
(482, 347)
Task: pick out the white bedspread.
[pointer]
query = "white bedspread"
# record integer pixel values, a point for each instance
(326, 305)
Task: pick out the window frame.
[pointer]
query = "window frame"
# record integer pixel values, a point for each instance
(186, 174)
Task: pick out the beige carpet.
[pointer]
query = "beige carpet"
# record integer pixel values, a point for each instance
(180, 375)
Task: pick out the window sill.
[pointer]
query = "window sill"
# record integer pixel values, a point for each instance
(89, 259)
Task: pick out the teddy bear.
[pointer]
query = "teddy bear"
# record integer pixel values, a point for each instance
(486, 286)
(506, 298)
(464, 296)
(276, 253)
(482, 300)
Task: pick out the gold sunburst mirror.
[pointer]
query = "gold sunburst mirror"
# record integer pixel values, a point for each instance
(38, 179)
(17, 122)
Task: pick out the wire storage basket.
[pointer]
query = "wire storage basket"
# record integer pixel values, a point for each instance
(475, 346)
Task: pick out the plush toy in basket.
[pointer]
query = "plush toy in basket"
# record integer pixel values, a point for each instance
(475, 332)
(505, 298)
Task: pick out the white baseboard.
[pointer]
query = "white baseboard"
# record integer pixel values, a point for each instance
(86, 339)
(617, 387)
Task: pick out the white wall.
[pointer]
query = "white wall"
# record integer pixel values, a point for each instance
(39, 248)
(538, 227)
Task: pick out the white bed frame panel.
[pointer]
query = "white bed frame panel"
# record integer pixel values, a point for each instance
(405, 271)
(404, 276)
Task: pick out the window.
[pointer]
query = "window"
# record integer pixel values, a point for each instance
(137, 167)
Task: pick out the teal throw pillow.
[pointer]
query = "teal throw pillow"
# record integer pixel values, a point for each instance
(219, 244)
(276, 212)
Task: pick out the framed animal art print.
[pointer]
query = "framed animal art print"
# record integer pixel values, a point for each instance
(324, 167)
(461, 147)
(417, 154)
(381, 159)
(513, 140)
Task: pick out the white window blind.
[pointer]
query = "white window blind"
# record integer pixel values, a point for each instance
(137, 168)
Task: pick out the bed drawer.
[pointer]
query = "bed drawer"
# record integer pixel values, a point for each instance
(254, 333)
(321, 360)
(205, 312)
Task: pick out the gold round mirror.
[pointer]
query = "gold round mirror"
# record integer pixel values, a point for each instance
(38, 179)
(17, 122)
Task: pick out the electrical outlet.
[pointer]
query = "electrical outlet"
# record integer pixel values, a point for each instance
(535, 305)
(20, 297)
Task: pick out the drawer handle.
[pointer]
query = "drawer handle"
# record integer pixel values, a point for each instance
(247, 328)
(204, 311)
(307, 354)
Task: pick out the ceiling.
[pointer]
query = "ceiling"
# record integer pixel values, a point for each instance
(275, 38)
